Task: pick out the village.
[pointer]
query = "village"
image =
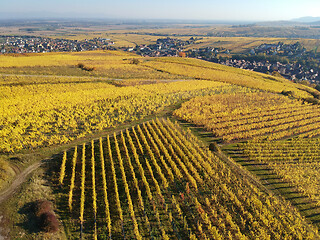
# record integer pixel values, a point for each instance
(164, 47)
(291, 71)
(292, 61)
(27, 44)
(289, 60)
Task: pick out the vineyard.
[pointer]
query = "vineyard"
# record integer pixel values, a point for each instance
(62, 103)
(107, 64)
(157, 181)
(41, 115)
(237, 117)
(145, 176)
(119, 65)
(296, 161)
(195, 68)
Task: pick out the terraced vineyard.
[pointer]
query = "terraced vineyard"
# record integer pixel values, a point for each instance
(295, 161)
(253, 115)
(157, 181)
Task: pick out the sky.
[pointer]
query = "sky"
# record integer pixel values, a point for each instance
(243, 10)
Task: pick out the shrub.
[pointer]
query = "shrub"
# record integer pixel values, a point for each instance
(80, 65)
(214, 147)
(41, 207)
(86, 68)
(311, 100)
(135, 61)
(288, 93)
(48, 222)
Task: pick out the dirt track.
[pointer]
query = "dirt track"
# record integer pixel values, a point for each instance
(19, 179)
(7, 193)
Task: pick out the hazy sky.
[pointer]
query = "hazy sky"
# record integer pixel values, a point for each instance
(165, 9)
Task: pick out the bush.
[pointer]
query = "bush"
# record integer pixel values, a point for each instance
(288, 93)
(80, 65)
(311, 100)
(48, 222)
(86, 68)
(135, 61)
(42, 206)
(214, 147)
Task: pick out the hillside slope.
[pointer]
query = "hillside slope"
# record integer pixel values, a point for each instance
(200, 69)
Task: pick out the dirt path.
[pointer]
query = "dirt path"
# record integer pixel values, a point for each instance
(60, 76)
(19, 179)
(22, 176)
(82, 77)
(6, 194)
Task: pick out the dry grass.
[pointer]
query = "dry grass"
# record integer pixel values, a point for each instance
(6, 173)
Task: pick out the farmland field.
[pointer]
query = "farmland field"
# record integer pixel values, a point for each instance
(47, 110)
(157, 181)
(273, 136)
(255, 115)
(198, 69)
(48, 114)
(116, 165)
(295, 160)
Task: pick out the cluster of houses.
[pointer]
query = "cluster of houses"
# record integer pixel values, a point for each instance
(292, 52)
(164, 47)
(280, 49)
(206, 52)
(27, 44)
(291, 71)
(176, 47)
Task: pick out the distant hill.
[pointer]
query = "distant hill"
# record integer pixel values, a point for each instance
(280, 23)
(315, 23)
(307, 19)
(303, 21)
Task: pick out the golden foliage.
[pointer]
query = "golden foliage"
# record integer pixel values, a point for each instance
(296, 161)
(234, 117)
(215, 204)
(47, 114)
(199, 69)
